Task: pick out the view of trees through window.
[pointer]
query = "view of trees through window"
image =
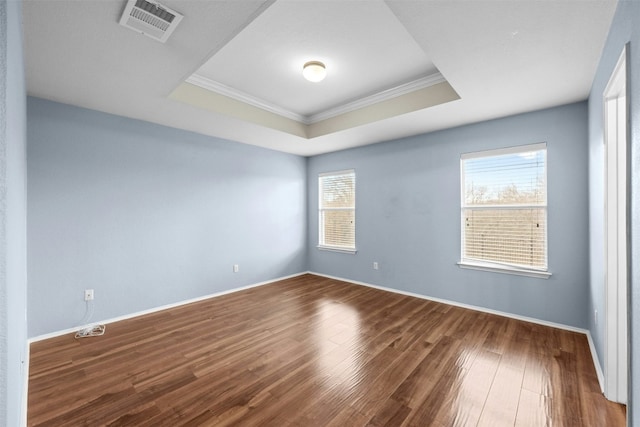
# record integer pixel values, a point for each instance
(337, 210)
(504, 207)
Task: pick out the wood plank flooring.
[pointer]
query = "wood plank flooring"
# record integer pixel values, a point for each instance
(311, 351)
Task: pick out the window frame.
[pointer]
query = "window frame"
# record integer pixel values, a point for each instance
(321, 245)
(495, 266)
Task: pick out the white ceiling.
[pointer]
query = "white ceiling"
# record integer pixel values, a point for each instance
(339, 34)
(499, 58)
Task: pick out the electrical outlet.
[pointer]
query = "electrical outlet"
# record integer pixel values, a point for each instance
(375, 265)
(236, 268)
(595, 316)
(88, 294)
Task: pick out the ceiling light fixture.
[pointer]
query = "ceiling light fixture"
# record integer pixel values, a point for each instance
(314, 71)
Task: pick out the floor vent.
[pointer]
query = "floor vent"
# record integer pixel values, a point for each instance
(151, 19)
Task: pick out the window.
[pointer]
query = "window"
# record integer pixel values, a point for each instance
(504, 210)
(337, 211)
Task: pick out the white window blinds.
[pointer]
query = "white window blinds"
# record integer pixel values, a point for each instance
(504, 207)
(337, 210)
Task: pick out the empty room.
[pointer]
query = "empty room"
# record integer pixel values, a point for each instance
(319, 213)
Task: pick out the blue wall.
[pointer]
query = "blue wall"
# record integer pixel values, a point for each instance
(624, 28)
(408, 216)
(148, 215)
(13, 252)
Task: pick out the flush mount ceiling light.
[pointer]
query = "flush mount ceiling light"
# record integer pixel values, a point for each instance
(314, 71)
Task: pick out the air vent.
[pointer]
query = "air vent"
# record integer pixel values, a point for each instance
(151, 19)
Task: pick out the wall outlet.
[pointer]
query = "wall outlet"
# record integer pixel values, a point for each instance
(236, 268)
(375, 265)
(595, 316)
(88, 294)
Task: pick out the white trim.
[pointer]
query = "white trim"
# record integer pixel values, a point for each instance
(615, 110)
(394, 92)
(160, 308)
(497, 268)
(488, 265)
(336, 173)
(459, 304)
(596, 361)
(502, 151)
(616, 84)
(503, 207)
(403, 89)
(594, 355)
(338, 209)
(592, 349)
(25, 385)
(225, 90)
(337, 249)
(321, 210)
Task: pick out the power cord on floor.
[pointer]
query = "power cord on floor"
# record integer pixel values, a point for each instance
(91, 330)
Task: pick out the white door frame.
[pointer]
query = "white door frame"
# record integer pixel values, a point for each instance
(616, 133)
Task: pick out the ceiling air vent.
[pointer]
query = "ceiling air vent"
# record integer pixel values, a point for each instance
(151, 19)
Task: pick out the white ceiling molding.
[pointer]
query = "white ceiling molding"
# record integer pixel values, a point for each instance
(209, 102)
(367, 101)
(238, 95)
(425, 98)
(376, 98)
(418, 100)
(502, 58)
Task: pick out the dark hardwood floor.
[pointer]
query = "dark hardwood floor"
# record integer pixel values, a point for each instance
(311, 351)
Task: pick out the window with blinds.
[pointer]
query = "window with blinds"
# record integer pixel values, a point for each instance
(337, 211)
(504, 207)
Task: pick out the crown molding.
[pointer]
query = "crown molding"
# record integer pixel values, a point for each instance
(393, 92)
(238, 95)
(403, 89)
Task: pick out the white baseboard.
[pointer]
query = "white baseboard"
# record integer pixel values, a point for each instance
(594, 355)
(592, 348)
(23, 421)
(160, 308)
(596, 361)
(25, 385)
(461, 305)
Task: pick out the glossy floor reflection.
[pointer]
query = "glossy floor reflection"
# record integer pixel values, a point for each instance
(311, 351)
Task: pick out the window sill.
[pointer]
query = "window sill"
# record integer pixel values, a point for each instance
(336, 249)
(496, 268)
